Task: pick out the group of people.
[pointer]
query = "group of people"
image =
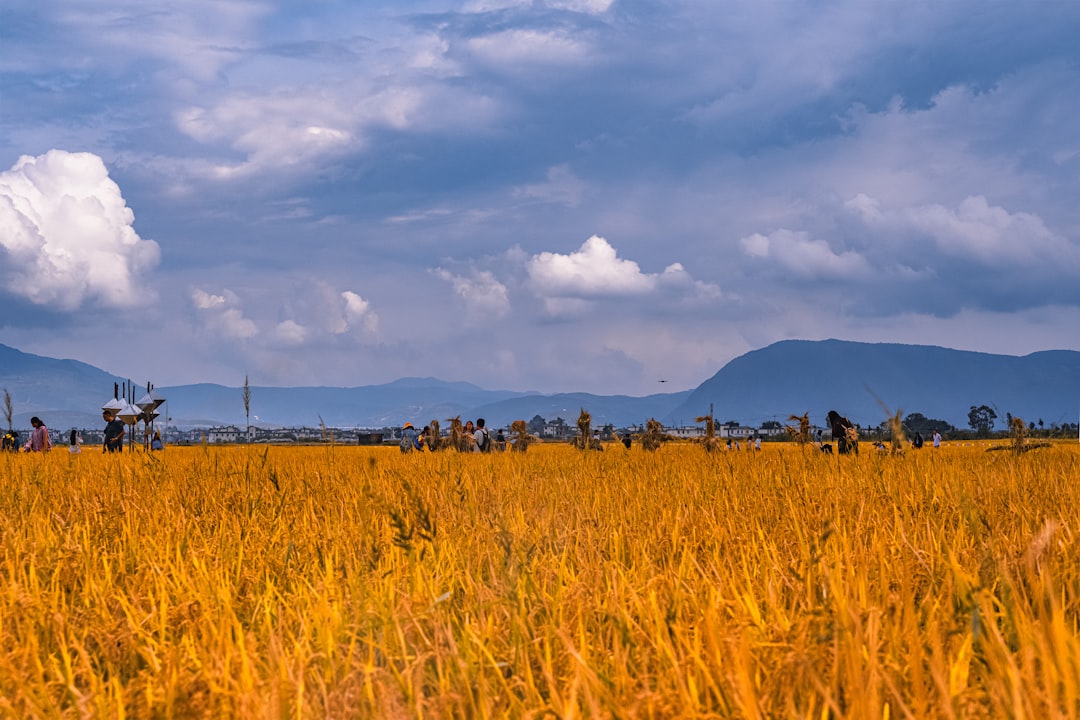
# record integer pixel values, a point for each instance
(115, 431)
(477, 436)
(753, 443)
(39, 440)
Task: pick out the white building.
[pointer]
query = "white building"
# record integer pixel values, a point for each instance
(226, 434)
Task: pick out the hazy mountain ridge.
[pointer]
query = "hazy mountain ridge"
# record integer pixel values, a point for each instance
(797, 376)
(788, 377)
(68, 393)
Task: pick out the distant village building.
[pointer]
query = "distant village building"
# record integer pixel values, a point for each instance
(686, 432)
(222, 435)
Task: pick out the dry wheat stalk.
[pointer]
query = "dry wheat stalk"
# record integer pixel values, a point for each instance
(710, 442)
(585, 440)
(654, 435)
(800, 434)
(459, 439)
(521, 440)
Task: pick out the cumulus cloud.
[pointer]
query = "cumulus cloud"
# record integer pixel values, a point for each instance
(317, 312)
(222, 315)
(289, 332)
(797, 254)
(66, 235)
(923, 257)
(322, 310)
(594, 270)
(273, 131)
(358, 313)
(480, 293)
(975, 231)
(569, 284)
(676, 279)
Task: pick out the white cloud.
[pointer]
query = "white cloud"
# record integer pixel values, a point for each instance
(975, 231)
(675, 277)
(297, 127)
(314, 312)
(358, 312)
(200, 36)
(323, 312)
(800, 255)
(481, 294)
(561, 187)
(205, 301)
(594, 270)
(512, 49)
(290, 332)
(568, 285)
(284, 129)
(222, 315)
(591, 7)
(67, 236)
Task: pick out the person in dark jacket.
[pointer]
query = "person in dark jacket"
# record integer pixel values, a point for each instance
(114, 432)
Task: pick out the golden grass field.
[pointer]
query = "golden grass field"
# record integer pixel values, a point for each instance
(311, 582)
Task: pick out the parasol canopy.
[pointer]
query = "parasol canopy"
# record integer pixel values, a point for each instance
(150, 401)
(128, 414)
(114, 405)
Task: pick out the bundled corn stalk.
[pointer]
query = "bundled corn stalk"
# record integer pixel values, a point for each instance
(1020, 442)
(897, 438)
(459, 439)
(654, 435)
(710, 442)
(521, 439)
(434, 439)
(585, 439)
(1019, 433)
(851, 439)
(800, 434)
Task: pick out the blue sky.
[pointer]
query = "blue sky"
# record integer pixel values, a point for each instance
(555, 195)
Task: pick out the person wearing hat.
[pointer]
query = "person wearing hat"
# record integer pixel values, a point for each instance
(410, 439)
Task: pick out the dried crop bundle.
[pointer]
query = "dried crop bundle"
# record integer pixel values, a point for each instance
(522, 439)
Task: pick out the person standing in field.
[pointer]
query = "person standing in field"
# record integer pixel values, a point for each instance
(39, 438)
(410, 439)
(937, 439)
(114, 432)
(482, 436)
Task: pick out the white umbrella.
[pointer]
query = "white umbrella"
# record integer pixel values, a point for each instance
(128, 414)
(114, 406)
(150, 401)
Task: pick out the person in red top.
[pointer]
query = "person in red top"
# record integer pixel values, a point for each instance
(39, 439)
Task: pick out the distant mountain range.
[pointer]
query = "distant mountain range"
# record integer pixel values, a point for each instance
(797, 376)
(788, 377)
